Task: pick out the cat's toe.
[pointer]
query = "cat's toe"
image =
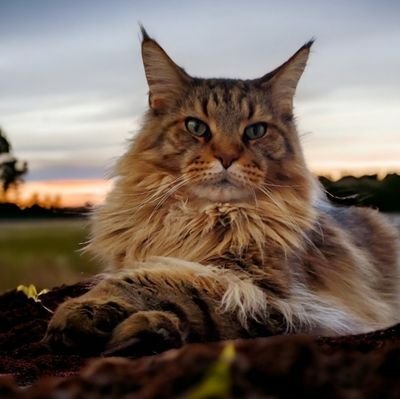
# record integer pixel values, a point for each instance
(85, 325)
(146, 333)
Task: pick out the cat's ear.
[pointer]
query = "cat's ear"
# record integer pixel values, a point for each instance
(167, 81)
(282, 81)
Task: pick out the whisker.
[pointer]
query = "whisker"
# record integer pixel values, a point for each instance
(159, 186)
(156, 196)
(281, 185)
(284, 211)
(254, 195)
(169, 193)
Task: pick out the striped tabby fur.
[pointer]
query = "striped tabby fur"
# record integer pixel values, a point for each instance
(219, 235)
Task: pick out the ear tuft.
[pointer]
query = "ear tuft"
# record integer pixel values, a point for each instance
(308, 44)
(145, 35)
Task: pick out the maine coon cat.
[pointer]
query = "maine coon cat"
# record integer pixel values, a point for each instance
(216, 229)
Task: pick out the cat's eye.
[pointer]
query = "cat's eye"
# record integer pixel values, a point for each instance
(197, 127)
(255, 131)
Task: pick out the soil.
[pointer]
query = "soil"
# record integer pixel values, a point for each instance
(359, 366)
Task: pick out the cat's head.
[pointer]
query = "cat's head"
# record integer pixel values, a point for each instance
(225, 140)
(214, 156)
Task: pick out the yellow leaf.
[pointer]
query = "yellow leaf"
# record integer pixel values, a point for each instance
(44, 291)
(31, 292)
(217, 381)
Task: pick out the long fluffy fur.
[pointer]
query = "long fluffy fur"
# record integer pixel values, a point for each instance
(284, 248)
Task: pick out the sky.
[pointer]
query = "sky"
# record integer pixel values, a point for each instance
(72, 85)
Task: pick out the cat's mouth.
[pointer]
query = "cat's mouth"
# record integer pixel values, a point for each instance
(223, 182)
(221, 188)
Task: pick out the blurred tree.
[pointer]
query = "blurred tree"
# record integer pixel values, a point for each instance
(33, 200)
(57, 202)
(5, 146)
(11, 169)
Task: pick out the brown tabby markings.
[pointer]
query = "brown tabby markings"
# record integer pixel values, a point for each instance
(220, 236)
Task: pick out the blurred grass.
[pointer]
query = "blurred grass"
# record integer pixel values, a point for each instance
(44, 253)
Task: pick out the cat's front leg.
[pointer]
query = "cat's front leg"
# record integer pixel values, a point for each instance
(86, 323)
(138, 311)
(161, 305)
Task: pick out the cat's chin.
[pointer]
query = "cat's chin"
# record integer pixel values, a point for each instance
(221, 192)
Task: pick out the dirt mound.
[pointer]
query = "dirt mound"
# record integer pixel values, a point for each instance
(363, 366)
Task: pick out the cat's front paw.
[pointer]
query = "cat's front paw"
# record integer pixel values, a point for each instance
(146, 333)
(85, 325)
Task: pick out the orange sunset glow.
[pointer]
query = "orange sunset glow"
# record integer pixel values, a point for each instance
(72, 192)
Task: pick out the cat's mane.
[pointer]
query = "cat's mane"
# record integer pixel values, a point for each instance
(159, 224)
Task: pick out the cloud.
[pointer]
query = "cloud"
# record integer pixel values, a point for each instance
(73, 87)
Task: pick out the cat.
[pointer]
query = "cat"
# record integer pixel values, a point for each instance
(216, 229)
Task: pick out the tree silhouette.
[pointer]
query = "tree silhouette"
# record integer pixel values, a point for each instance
(11, 169)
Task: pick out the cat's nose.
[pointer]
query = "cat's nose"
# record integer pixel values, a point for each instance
(227, 159)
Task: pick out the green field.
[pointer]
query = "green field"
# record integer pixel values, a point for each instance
(45, 253)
